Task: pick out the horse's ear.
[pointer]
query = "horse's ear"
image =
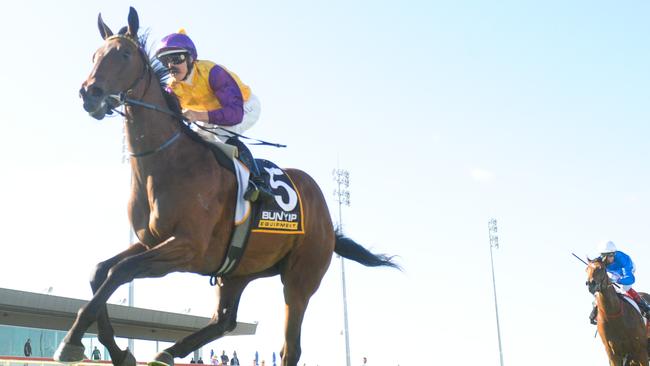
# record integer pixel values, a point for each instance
(134, 23)
(104, 30)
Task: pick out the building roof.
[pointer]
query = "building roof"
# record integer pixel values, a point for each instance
(34, 310)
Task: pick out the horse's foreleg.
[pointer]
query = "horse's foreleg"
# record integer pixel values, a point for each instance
(105, 334)
(223, 320)
(71, 350)
(173, 255)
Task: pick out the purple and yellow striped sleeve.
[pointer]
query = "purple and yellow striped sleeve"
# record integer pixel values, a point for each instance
(227, 91)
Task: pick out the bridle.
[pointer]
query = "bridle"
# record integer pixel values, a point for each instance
(146, 68)
(122, 99)
(598, 286)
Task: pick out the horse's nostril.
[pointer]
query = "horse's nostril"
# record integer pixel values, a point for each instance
(95, 91)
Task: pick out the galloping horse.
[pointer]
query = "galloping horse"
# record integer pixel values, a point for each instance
(620, 325)
(182, 208)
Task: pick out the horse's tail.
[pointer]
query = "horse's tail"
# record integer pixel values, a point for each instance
(348, 248)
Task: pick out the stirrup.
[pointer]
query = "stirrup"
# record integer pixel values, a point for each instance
(593, 316)
(256, 193)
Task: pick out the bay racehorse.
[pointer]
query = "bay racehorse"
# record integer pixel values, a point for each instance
(182, 207)
(620, 325)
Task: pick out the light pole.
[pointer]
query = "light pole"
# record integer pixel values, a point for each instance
(131, 294)
(126, 159)
(342, 179)
(494, 243)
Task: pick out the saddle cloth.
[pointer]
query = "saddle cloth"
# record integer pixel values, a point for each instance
(283, 215)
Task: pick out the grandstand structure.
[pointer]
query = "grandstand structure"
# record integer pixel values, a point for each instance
(45, 319)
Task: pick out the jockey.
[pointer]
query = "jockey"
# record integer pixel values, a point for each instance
(210, 94)
(620, 270)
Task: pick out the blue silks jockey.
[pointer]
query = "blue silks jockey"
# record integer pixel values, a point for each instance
(620, 269)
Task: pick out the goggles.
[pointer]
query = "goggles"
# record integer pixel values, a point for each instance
(173, 58)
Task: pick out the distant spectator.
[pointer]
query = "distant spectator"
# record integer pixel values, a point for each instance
(200, 360)
(224, 358)
(27, 349)
(365, 362)
(96, 354)
(192, 360)
(234, 361)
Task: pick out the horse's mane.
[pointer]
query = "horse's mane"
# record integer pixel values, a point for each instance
(163, 75)
(159, 70)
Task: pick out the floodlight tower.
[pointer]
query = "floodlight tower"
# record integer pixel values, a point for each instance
(342, 179)
(494, 243)
(126, 159)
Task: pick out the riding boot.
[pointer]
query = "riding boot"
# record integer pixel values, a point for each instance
(257, 188)
(643, 305)
(593, 315)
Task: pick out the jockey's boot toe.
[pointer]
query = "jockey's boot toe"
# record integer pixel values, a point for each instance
(252, 193)
(593, 315)
(265, 195)
(645, 308)
(257, 192)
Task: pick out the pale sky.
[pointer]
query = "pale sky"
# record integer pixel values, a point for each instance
(446, 113)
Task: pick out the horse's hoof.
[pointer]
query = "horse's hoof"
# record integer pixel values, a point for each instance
(162, 359)
(129, 360)
(69, 353)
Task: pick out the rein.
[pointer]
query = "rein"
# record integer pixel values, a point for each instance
(617, 315)
(621, 306)
(122, 99)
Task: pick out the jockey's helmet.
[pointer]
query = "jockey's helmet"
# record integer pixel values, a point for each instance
(176, 43)
(607, 247)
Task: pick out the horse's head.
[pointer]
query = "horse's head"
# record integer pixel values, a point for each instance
(119, 64)
(597, 279)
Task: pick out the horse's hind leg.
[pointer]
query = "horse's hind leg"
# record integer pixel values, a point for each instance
(223, 320)
(295, 307)
(301, 277)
